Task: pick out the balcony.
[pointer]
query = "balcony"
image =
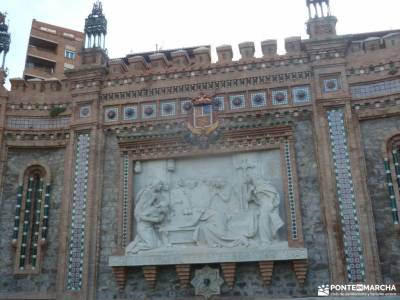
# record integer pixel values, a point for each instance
(32, 70)
(43, 43)
(43, 53)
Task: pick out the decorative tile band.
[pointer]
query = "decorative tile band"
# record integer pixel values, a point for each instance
(291, 191)
(345, 191)
(36, 223)
(375, 89)
(77, 233)
(17, 214)
(46, 210)
(125, 163)
(37, 123)
(389, 182)
(26, 225)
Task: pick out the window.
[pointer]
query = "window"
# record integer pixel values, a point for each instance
(70, 54)
(31, 219)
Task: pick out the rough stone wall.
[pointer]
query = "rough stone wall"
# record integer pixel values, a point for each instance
(248, 281)
(374, 133)
(106, 286)
(17, 161)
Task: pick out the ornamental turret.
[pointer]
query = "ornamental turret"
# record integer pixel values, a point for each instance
(5, 41)
(321, 23)
(96, 27)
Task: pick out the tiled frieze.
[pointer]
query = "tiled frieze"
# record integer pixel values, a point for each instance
(291, 192)
(280, 97)
(78, 215)
(237, 101)
(223, 103)
(168, 109)
(186, 106)
(125, 214)
(149, 111)
(258, 99)
(375, 89)
(37, 123)
(345, 192)
(85, 111)
(111, 114)
(130, 112)
(331, 85)
(301, 95)
(219, 103)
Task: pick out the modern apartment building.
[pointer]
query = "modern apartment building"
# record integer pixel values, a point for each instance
(51, 50)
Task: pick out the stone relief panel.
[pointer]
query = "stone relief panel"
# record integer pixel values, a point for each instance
(230, 201)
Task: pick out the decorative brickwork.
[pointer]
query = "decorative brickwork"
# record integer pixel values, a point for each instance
(37, 123)
(211, 85)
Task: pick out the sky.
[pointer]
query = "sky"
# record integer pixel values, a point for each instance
(139, 25)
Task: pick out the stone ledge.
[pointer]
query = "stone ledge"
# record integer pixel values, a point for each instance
(207, 255)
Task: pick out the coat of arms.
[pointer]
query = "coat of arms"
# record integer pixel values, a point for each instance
(202, 123)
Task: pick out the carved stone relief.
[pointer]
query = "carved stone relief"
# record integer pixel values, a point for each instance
(231, 201)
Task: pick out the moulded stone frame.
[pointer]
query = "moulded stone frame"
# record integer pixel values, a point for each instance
(279, 144)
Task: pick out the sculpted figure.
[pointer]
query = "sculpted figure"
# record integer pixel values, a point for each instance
(266, 197)
(213, 223)
(181, 202)
(150, 212)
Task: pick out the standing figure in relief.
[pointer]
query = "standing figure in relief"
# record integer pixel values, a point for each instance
(150, 211)
(266, 197)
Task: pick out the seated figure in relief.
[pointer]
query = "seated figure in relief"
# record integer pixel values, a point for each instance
(212, 225)
(265, 196)
(150, 211)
